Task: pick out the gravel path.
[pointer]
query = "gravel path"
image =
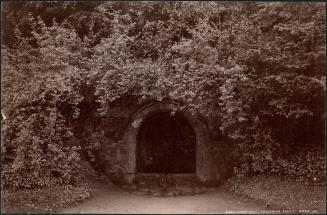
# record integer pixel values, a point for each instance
(113, 200)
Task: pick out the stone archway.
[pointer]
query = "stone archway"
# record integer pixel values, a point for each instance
(203, 159)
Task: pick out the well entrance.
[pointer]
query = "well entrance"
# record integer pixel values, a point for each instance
(159, 143)
(166, 143)
(163, 142)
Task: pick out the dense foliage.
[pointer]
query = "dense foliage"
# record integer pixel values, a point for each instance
(255, 69)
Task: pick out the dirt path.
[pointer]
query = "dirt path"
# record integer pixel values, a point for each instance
(111, 199)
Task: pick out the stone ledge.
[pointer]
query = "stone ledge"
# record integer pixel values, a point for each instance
(164, 192)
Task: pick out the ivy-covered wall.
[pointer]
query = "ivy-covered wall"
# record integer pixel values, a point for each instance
(63, 81)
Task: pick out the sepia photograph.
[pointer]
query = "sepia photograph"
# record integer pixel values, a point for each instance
(163, 107)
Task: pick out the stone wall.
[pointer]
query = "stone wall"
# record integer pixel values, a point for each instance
(118, 153)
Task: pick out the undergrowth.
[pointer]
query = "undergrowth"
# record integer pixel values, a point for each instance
(276, 193)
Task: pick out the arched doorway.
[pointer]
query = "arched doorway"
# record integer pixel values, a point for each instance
(141, 120)
(166, 143)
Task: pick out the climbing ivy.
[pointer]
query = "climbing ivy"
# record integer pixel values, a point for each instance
(258, 68)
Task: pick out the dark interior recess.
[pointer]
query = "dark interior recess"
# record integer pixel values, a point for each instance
(166, 143)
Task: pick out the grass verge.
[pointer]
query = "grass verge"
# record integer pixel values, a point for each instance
(42, 200)
(278, 194)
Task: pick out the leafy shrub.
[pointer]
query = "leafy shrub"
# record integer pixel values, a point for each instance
(257, 67)
(43, 200)
(41, 153)
(276, 193)
(308, 167)
(39, 148)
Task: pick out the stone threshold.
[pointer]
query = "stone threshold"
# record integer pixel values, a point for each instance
(157, 191)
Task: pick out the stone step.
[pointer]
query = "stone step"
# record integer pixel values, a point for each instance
(129, 187)
(147, 179)
(157, 191)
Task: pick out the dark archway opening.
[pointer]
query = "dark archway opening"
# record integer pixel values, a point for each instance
(166, 143)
